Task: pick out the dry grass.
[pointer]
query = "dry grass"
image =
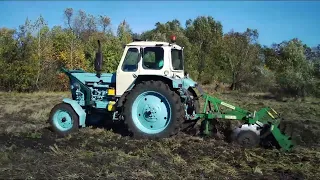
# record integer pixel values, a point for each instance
(29, 150)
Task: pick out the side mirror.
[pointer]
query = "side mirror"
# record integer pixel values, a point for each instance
(186, 74)
(98, 60)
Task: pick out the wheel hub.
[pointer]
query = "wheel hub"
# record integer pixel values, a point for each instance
(246, 140)
(151, 112)
(62, 120)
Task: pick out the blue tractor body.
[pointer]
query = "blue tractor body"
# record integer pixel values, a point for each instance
(152, 105)
(90, 90)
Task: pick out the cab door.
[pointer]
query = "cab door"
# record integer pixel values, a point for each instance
(128, 69)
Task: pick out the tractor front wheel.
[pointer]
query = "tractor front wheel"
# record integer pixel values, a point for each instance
(63, 119)
(153, 110)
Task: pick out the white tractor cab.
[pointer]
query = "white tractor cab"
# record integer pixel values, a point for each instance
(156, 96)
(149, 58)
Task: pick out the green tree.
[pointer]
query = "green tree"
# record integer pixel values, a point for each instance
(294, 73)
(30, 57)
(104, 22)
(22, 71)
(8, 55)
(241, 53)
(205, 36)
(41, 26)
(124, 32)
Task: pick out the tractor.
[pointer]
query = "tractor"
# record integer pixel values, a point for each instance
(154, 97)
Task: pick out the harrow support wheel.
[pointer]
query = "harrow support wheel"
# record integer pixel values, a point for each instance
(153, 110)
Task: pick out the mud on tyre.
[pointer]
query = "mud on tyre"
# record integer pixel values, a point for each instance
(153, 110)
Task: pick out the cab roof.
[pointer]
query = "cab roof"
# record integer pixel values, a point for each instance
(153, 43)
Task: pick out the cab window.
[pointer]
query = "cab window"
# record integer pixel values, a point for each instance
(130, 63)
(176, 58)
(153, 58)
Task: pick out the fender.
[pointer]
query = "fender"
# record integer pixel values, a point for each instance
(78, 109)
(176, 83)
(186, 82)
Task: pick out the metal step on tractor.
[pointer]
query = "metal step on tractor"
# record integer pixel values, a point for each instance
(154, 97)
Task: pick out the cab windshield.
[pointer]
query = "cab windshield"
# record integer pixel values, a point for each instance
(177, 59)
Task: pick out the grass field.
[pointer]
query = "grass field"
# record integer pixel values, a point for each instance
(29, 150)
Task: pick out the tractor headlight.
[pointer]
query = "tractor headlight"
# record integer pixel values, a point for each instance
(76, 86)
(166, 73)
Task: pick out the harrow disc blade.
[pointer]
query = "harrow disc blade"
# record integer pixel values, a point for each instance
(268, 136)
(246, 135)
(278, 137)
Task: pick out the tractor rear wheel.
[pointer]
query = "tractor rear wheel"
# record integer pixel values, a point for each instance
(153, 110)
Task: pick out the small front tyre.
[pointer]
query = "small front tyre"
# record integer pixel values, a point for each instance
(63, 119)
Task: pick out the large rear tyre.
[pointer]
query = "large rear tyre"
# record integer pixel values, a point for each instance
(153, 110)
(63, 119)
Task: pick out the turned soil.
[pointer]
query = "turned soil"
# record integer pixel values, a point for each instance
(30, 150)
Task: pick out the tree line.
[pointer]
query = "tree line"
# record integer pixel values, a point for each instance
(31, 55)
